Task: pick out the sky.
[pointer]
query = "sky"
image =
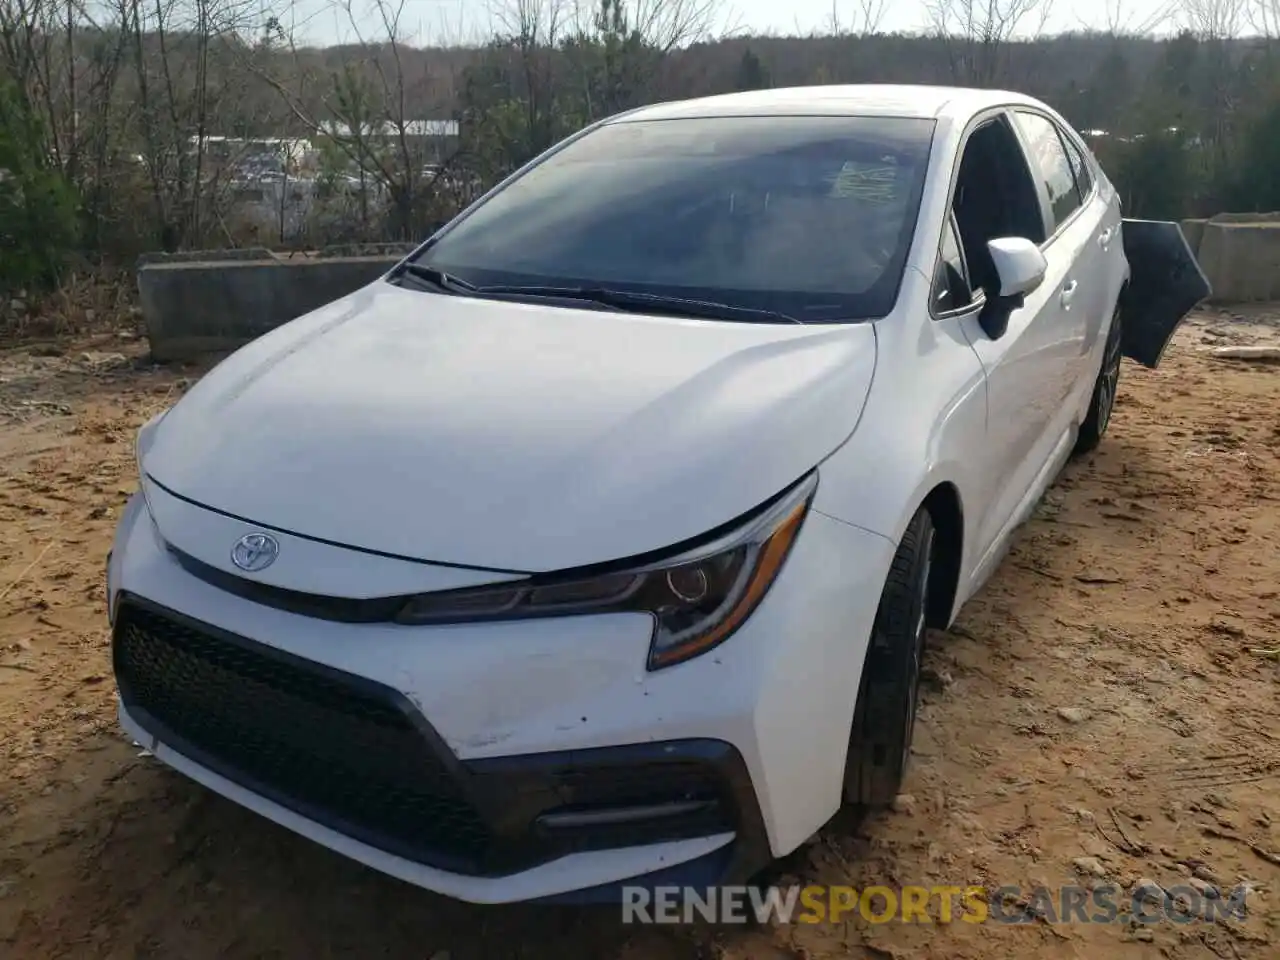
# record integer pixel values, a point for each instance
(325, 22)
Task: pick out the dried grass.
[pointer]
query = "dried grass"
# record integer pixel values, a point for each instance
(90, 300)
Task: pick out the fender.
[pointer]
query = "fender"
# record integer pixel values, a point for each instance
(911, 437)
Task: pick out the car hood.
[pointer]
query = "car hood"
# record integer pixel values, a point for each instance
(512, 436)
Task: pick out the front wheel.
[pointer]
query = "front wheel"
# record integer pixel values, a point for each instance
(885, 716)
(1104, 393)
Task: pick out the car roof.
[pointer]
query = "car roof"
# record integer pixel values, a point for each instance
(877, 100)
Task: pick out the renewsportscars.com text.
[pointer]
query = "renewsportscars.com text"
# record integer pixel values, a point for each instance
(934, 904)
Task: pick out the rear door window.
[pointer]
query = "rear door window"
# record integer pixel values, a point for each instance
(1049, 155)
(1079, 166)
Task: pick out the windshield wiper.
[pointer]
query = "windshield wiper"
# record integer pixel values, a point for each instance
(643, 302)
(437, 278)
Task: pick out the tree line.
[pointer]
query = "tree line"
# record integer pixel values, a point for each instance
(108, 111)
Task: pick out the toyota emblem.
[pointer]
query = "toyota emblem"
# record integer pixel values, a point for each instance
(255, 551)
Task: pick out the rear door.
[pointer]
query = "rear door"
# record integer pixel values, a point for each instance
(1072, 249)
(1101, 260)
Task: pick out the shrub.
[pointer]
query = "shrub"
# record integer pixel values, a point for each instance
(37, 205)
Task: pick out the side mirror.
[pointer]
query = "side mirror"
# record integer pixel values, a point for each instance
(1019, 264)
(1020, 269)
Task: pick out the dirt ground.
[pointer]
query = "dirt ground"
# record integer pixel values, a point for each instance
(1103, 711)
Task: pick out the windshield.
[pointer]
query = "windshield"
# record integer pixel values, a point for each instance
(806, 216)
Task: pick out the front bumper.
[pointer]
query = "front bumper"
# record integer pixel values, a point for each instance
(552, 763)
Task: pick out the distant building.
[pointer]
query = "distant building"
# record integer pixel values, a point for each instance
(412, 128)
(254, 157)
(433, 140)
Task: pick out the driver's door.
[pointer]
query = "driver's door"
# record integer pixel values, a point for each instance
(1028, 365)
(1026, 371)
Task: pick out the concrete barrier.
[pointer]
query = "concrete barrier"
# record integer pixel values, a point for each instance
(207, 301)
(1239, 253)
(204, 302)
(1193, 230)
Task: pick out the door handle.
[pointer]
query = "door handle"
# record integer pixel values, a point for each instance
(1104, 238)
(1068, 293)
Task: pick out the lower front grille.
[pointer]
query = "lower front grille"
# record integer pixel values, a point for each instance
(341, 750)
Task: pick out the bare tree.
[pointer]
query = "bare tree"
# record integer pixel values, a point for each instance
(1264, 17)
(61, 61)
(125, 78)
(370, 112)
(632, 40)
(555, 65)
(667, 24)
(977, 33)
(533, 30)
(1120, 20)
(865, 19)
(1215, 23)
(1215, 19)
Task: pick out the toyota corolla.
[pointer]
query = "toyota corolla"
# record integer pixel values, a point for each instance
(597, 542)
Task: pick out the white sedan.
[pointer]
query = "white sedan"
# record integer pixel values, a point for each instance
(596, 543)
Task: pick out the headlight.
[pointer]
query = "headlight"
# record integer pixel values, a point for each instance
(146, 436)
(696, 599)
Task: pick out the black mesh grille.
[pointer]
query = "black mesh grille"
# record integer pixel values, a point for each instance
(339, 751)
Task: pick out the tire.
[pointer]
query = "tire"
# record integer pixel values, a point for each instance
(1103, 402)
(885, 715)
